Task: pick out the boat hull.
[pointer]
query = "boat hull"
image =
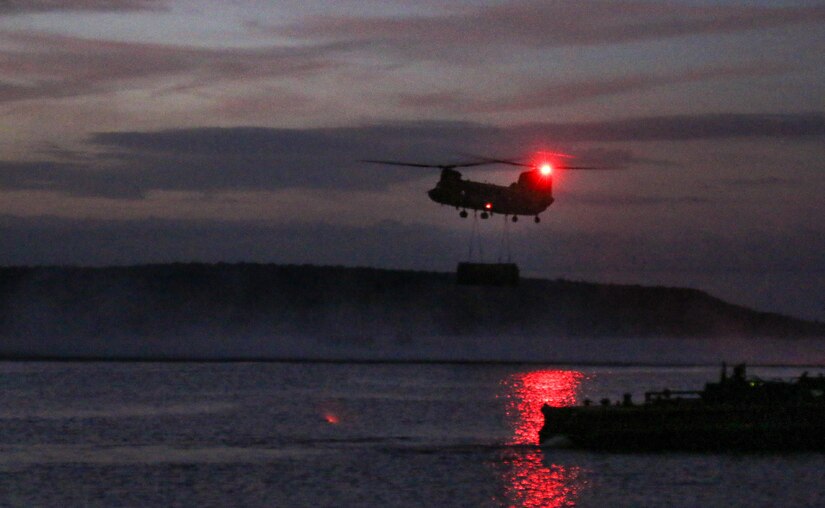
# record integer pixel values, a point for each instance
(695, 426)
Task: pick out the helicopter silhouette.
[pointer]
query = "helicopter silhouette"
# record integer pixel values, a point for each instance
(531, 194)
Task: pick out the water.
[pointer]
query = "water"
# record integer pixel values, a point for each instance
(315, 434)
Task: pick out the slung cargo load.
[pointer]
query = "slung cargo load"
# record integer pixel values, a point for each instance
(487, 274)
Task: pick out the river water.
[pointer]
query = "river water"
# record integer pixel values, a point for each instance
(350, 434)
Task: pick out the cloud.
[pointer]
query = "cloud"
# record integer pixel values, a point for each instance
(70, 178)
(105, 242)
(38, 66)
(681, 128)
(267, 158)
(762, 182)
(628, 199)
(29, 6)
(546, 96)
(130, 164)
(542, 24)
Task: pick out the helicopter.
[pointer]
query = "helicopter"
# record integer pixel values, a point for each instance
(530, 195)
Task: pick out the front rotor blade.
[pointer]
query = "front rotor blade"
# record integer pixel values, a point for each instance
(466, 164)
(399, 163)
(419, 165)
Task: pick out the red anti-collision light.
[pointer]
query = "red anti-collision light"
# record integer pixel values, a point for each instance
(488, 206)
(546, 169)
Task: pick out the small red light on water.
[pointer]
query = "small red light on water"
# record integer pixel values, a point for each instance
(546, 169)
(331, 418)
(488, 206)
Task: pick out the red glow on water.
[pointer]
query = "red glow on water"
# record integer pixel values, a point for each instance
(532, 479)
(534, 483)
(529, 391)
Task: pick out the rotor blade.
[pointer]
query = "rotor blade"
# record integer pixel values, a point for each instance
(522, 164)
(491, 160)
(594, 168)
(557, 154)
(419, 165)
(466, 164)
(399, 163)
(511, 162)
(514, 163)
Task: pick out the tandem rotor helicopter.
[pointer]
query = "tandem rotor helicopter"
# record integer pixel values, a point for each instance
(530, 195)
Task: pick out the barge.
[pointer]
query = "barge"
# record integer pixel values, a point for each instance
(736, 413)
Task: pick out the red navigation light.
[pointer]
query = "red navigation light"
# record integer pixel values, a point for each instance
(331, 418)
(546, 169)
(488, 206)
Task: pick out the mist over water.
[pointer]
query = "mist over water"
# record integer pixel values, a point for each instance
(357, 347)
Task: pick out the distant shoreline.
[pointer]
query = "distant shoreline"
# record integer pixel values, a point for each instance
(266, 312)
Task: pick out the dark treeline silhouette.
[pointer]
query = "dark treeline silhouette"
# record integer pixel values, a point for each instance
(145, 305)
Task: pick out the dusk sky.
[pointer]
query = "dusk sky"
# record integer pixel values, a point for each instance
(140, 131)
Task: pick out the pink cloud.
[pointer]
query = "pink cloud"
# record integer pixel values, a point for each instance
(50, 66)
(538, 23)
(26, 6)
(539, 97)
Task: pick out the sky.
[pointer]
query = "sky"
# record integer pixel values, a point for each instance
(138, 131)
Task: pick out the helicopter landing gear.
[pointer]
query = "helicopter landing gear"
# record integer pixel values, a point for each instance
(463, 214)
(536, 219)
(515, 218)
(484, 215)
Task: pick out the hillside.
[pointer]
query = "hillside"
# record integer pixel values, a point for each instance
(177, 309)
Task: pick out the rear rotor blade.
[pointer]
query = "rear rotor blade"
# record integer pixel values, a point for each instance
(511, 162)
(534, 166)
(593, 168)
(557, 154)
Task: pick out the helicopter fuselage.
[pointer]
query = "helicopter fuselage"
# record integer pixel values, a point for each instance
(530, 195)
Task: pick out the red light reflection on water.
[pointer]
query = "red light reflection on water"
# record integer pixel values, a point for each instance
(533, 483)
(530, 479)
(528, 391)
